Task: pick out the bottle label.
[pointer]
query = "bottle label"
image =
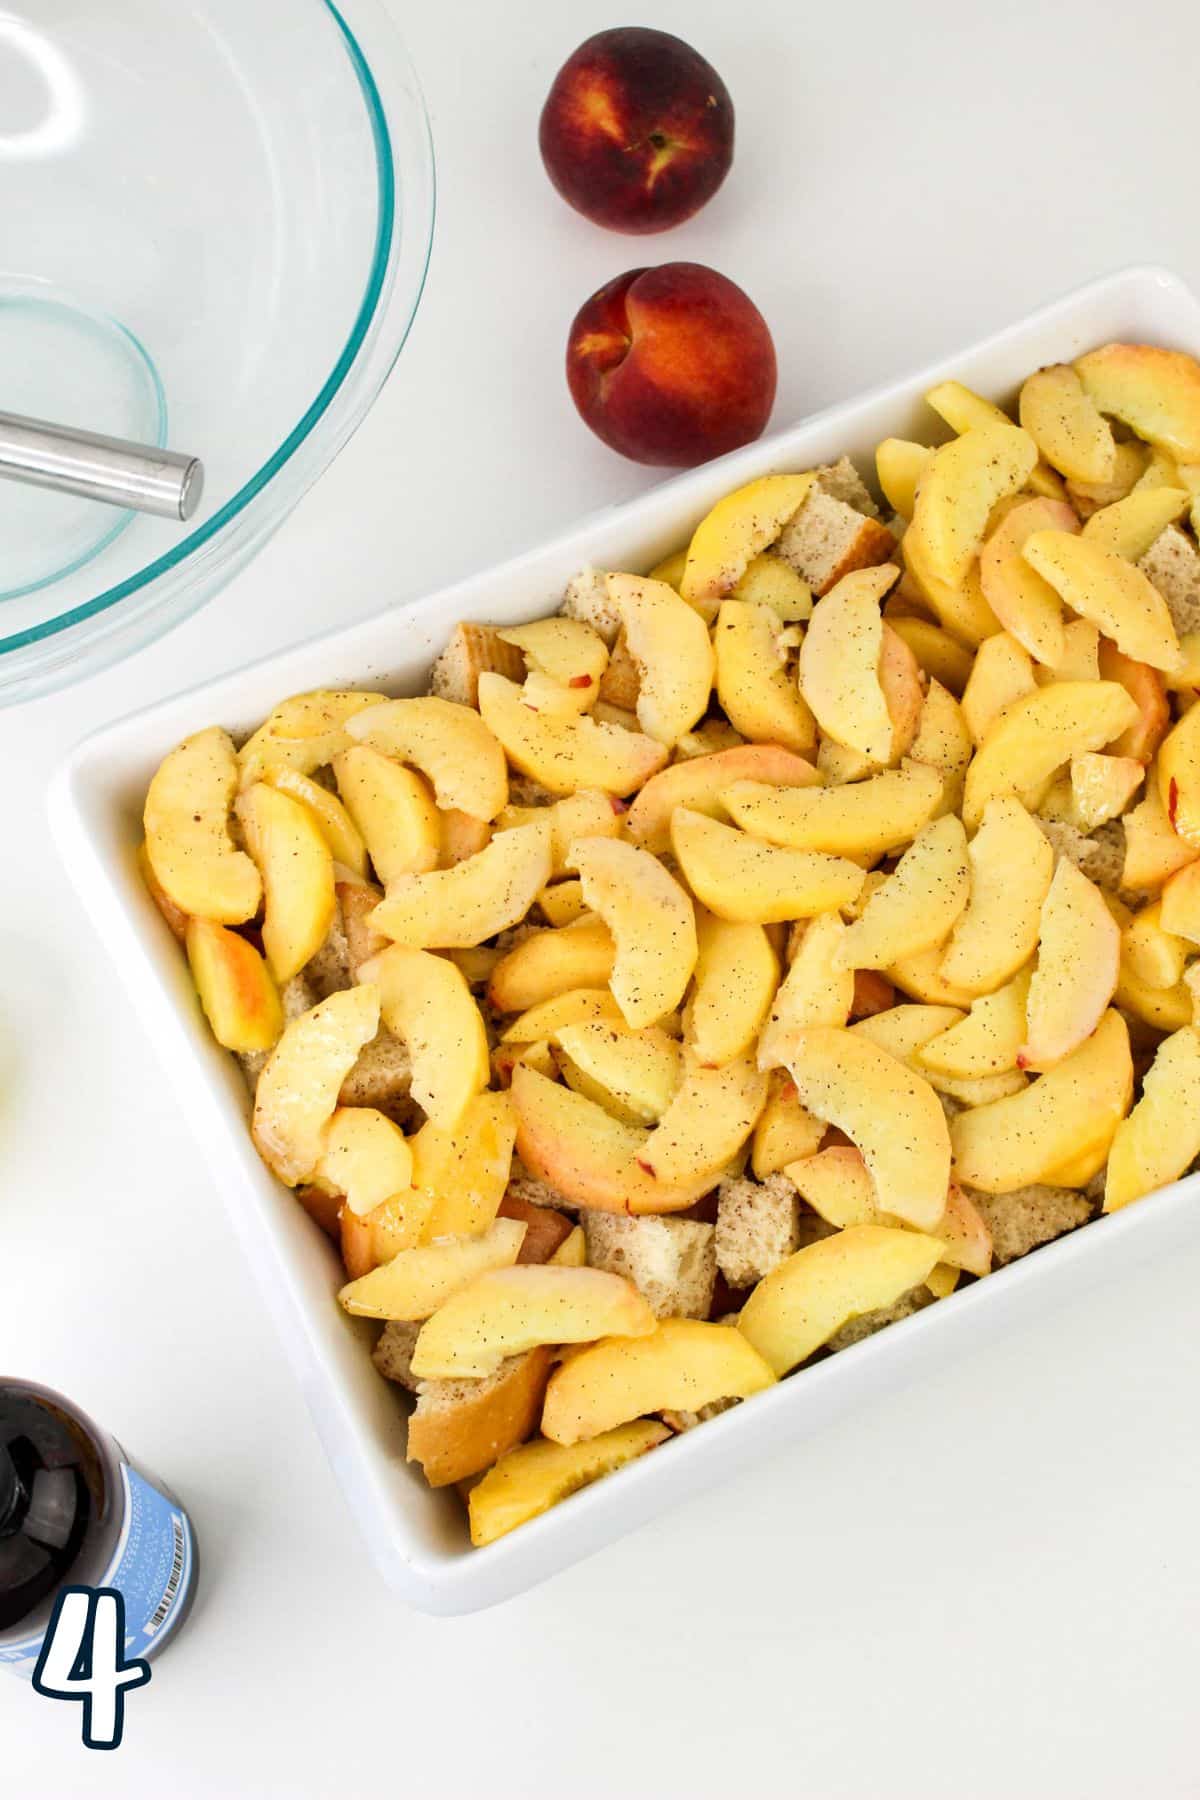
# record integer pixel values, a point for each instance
(152, 1569)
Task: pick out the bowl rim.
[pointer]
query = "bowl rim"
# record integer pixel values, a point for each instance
(411, 221)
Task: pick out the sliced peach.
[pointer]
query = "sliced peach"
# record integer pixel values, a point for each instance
(921, 978)
(1011, 866)
(684, 1365)
(634, 1074)
(1079, 947)
(345, 841)
(904, 1031)
(737, 973)
(1003, 672)
(801, 1304)
(848, 1081)
(862, 819)
(988, 1041)
(425, 1000)
(507, 1311)
(587, 1154)
(768, 580)
(1163, 1009)
(576, 1006)
(572, 1252)
(710, 1117)
(1154, 850)
(366, 1157)
(474, 900)
(552, 963)
(1102, 787)
(1179, 777)
(737, 529)
(900, 466)
(838, 1186)
(1155, 392)
(298, 1088)
(1027, 607)
(752, 679)
(393, 809)
(652, 921)
(1015, 1142)
(699, 783)
(240, 1000)
(449, 744)
(1128, 527)
(562, 903)
(960, 608)
(918, 905)
(1066, 424)
(839, 663)
(818, 989)
(1037, 734)
(465, 1171)
(739, 877)
(529, 1480)
(416, 1283)
(940, 655)
(944, 743)
(964, 481)
(1155, 953)
(398, 1224)
(963, 410)
(1081, 655)
(304, 732)
(567, 650)
(175, 917)
(669, 642)
(293, 859)
(188, 843)
(1110, 592)
(1180, 911)
(1161, 1136)
(566, 754)
(586, 814)
(785, 1131)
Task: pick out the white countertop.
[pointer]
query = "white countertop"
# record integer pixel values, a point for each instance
(988, 1585)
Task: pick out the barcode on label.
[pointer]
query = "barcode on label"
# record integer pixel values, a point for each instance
(173, 1580)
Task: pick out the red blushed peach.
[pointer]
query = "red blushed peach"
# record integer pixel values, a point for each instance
(637, 131)
(672, 365)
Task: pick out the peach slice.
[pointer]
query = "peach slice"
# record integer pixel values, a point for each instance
(1161, 1136)
(840, 660)
(801, 1304)
(586, 814)
(425, 1000)
(964, 481)
(589, 1156)
(1102, 787)
(737, 529)
(460, 836)
(566, 754)
(921, 978)
(1027, 607)
(1066, 424)
(1037, 734)
(566, 650)
(1179, 777)
(416, 1283)
(633, 1074)
(1081, 655)
(507, 1311)
(900, 466)
(175, 917)
(345, 841)
(393, 809)
(960, 609)
(684, 1365)
(652, 921)
(918, 905)
(1180, 911)
(1110, 592)
(738, 877)
(1128, 527)
(784, 1130)
(1154, 953)
(572, 1252)
(1003, 672)
(904, 1030)
(476, 899)
(465, 1171)
(449, 744)
(562, 903)
(188, 845)
(699, 783)
(711, 1116)
(862, 819)
(304, 732)
(1154, 850)
(737, 973)
(669, 642)
(1015, 1142)
(940, 655)
(240, 1000)
(1155, 392)
(293, 859)
(1012, 866)
(1163, 1009)
(298, 1088)
(531, 1479)
(551, 963)
(988, 1041)
(838, 1186)
(577, 1006)
(1079, 948)
(366, 1157)
(752, 679)
(818, 989)
(964, 410)
(848, 1081)
(768, 580)
(944, 743)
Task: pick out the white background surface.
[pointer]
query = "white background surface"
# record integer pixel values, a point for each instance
(990, 1585)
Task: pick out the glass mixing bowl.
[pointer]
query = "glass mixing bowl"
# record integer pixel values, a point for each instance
(217, 221)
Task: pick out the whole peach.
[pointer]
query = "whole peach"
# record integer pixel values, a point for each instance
(637, 130)
(672, 365)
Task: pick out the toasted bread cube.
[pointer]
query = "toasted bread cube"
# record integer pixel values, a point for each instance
(758, 1227)
(393, 1353)
(586, 598)
(382, 1077)
(1029, 1216)
(867, 1324)
(545, 1227)
(472, 651)
(836, 531)
(672, 1262)
(1100, 856)
(1172, 564)
(460, 1428)
(621, 682)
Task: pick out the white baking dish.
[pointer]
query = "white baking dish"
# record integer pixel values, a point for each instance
(419, 1537)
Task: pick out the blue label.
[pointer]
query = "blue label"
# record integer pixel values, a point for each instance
(152, 1570)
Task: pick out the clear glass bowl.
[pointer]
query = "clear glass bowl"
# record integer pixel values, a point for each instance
(217, 221)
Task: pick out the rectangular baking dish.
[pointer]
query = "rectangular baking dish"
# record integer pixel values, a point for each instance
(418, 1537)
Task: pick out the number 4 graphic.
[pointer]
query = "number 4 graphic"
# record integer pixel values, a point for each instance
(83, 1659)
